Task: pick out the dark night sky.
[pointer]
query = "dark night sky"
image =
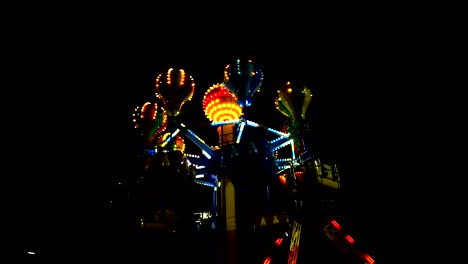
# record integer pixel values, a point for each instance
(78, 134)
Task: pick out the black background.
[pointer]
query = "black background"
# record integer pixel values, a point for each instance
(69, 131)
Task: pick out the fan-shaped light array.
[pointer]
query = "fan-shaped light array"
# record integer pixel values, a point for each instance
(220, 104)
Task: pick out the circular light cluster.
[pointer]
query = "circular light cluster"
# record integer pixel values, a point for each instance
(220, 104)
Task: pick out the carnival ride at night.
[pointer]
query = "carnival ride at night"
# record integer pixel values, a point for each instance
(250, 191)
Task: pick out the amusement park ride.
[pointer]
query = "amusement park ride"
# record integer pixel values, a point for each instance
(252, 190)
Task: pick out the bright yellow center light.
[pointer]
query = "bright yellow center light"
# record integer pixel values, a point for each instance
(220, 105)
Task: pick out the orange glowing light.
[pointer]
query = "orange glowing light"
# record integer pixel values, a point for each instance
(369, 260)
(282, 179)
(267, 260)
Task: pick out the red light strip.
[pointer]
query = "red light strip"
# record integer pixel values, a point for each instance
(336, 225)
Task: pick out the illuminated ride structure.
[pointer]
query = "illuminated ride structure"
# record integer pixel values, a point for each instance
(250, 192)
